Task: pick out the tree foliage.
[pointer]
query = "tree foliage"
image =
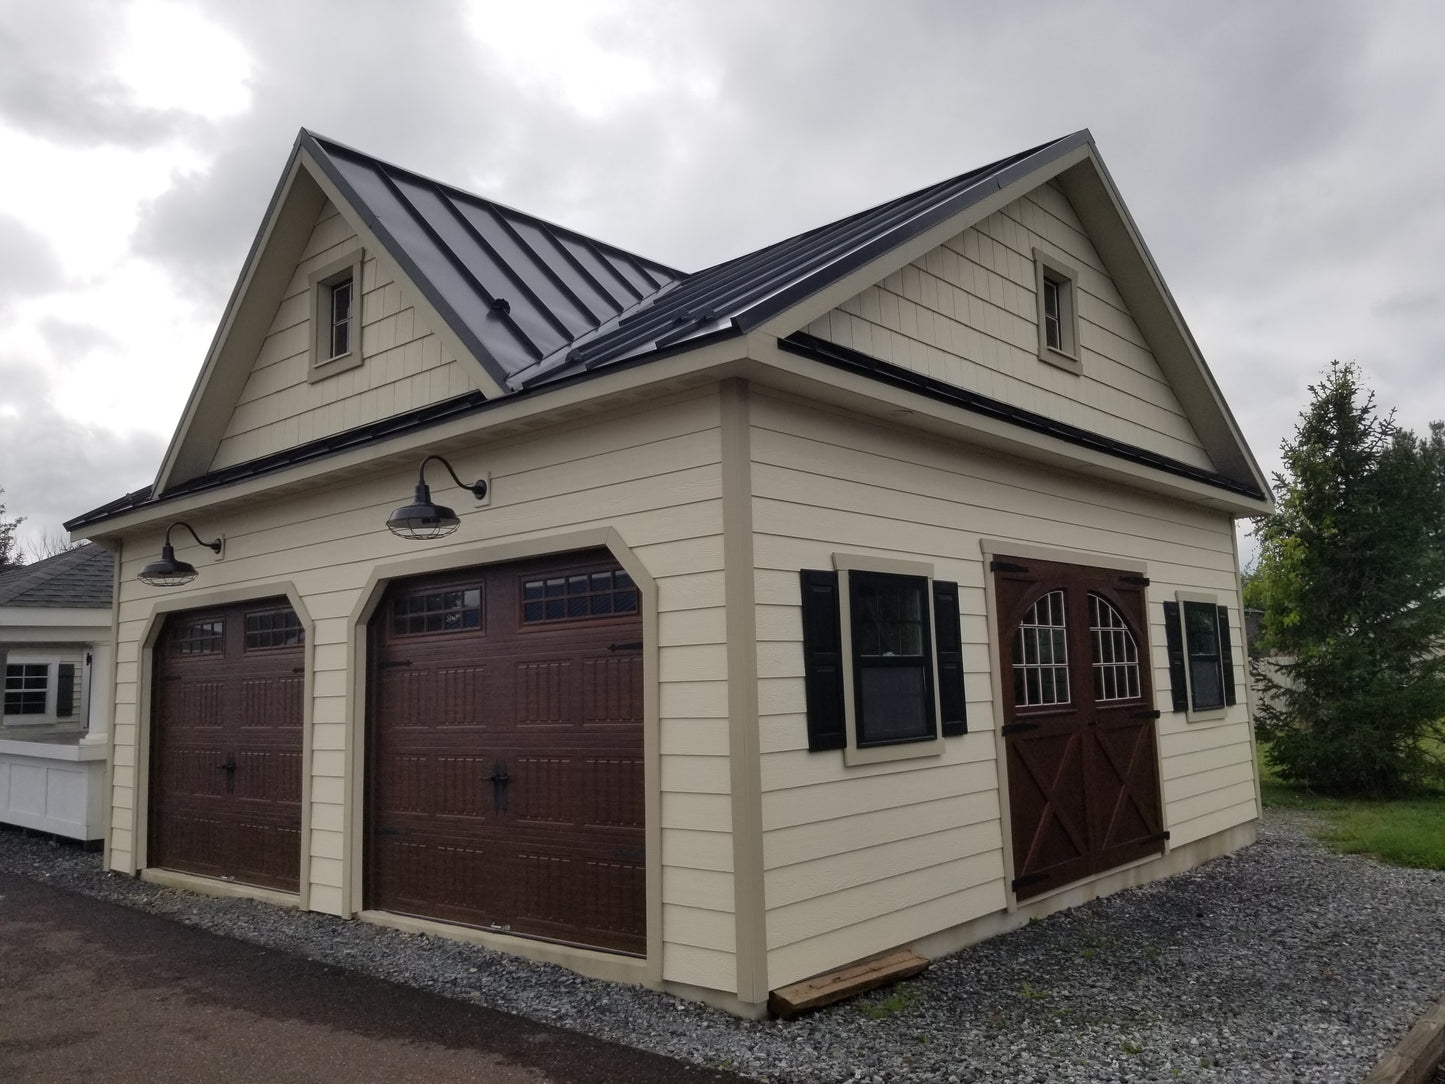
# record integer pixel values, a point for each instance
(1352, 581)
(9, 547)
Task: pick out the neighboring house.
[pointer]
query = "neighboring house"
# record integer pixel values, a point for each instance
(56, 645)
(877, 588)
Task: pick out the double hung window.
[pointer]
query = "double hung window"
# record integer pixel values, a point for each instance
(1201, 658)
(883, 661)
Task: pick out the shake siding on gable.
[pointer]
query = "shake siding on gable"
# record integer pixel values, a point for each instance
(652, 475)
(406, 365)
(965, 313)
(860, 859)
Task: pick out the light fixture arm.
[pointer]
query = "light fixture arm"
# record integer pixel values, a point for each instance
(214, 546)
(478, 488)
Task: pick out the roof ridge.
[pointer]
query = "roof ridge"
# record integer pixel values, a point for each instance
(475, 197)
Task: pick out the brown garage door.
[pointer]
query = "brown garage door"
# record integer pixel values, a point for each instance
(505, 751)
(225, 791)
(1083, 774)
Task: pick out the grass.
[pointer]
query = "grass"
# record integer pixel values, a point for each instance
(1403, 832)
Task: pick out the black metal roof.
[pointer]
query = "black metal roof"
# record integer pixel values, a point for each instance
(742, 293)
(79, 578)
(537, 304)
(513, 288)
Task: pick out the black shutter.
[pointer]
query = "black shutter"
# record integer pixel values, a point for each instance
(823, 660)
(1226, 655)
(65, 691)
(1174, 639)
(950, 658)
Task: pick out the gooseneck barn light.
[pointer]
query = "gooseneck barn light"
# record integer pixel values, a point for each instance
(423, 519)
(169, 572)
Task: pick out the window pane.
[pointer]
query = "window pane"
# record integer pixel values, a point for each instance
(1116, 655)
(579, 596)
(893, 704)
(26, 686)
(1201, 641)
(457, 609)
(1040, 654)
(1207, 685)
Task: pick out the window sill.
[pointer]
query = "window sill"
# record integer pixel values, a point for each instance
(1208, 715)
(1060, 360)
(882, 754)
(332, 366)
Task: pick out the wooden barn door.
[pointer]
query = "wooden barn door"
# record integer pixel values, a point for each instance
(225, 776)
(505, 751)
(1079, 721)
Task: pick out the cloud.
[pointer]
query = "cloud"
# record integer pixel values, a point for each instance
(53, 92)
(29, 266)
(55, 468)
(71, 339)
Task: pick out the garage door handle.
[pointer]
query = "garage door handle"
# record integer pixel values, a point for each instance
(229, 766)
(499, 780)
(635, 645)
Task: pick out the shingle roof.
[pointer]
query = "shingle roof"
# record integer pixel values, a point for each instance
(81, 578)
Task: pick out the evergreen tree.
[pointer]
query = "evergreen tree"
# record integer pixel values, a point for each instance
(1352, 579)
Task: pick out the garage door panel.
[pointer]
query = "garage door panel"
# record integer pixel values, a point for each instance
(192, 704)
(192, 773)
(544, 691)
(271, 703)
(522, 797)
(612, 691)
(461, 789)
(266, 853)
(612, 792)
(272, 776)
(227, 744)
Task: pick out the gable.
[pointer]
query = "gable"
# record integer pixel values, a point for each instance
(966, 313)
(404, 364)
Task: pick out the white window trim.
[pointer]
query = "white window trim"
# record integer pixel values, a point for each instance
(843, 564)
(1048, 268)
(1207, 715)
(52, 664)
(319, 282)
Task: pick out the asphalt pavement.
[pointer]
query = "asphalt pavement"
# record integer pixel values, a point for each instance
(93, 991)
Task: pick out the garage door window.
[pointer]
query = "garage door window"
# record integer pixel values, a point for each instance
(428, 612)
(267, 630)
(578, 596)
(204, 637)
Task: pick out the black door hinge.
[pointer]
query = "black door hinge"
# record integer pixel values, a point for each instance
(1028, 879)
(1147, 714)
(1138, 581)
(1006, 566)
(1017, 728)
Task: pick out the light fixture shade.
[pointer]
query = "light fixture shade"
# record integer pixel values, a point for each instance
(422, 520)
(167, 572)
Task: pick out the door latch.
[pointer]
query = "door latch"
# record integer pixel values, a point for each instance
(499, 780)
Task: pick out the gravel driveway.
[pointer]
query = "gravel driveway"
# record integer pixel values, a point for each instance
(1284, 962)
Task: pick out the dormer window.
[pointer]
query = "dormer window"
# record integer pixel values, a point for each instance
(340, 318)
(1058, 296)
(335, 316)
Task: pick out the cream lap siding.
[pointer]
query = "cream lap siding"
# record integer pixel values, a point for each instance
(858, 860)
(406, 365)
(965, 313)
(652, 475)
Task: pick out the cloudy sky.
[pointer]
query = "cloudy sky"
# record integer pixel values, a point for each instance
(1284, 161)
